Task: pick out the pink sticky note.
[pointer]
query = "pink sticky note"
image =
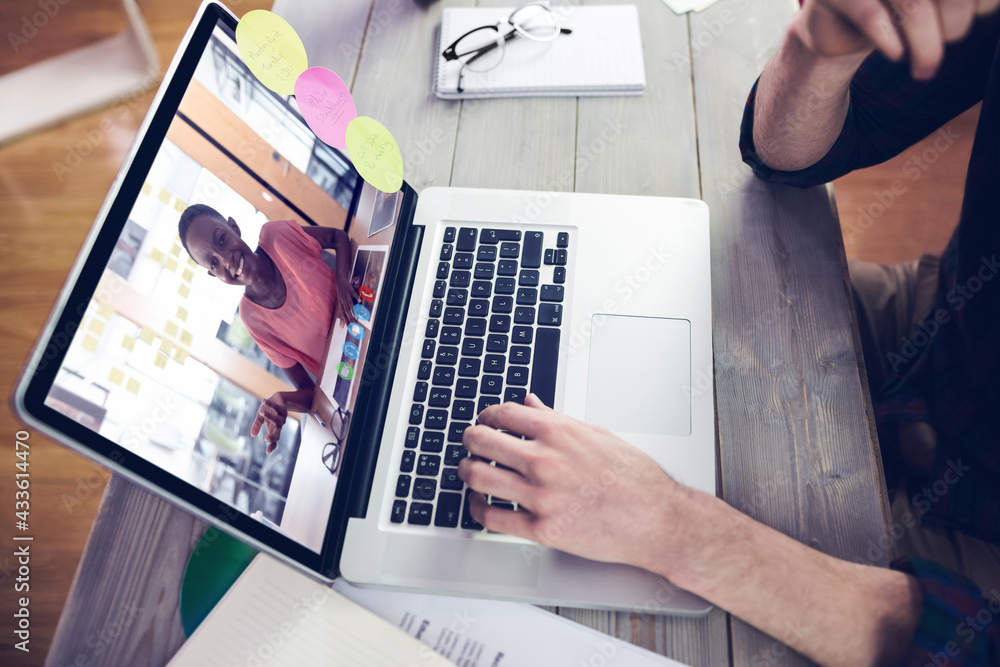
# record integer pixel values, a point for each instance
(326, 104)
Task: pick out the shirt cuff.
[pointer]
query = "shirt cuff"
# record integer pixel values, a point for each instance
(958, 626)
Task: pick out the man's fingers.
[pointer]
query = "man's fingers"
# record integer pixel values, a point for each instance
(498, 519)
(495, 481)
(257, 423)
(956, 18)
(875, 22)
(518, 418)
(533, 401)
(921, 25)
(491, 444)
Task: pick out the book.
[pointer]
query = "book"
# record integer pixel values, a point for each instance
(601, 56)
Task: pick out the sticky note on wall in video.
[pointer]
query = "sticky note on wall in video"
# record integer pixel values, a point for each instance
(116, 376)
(147, 335)
(326, 104)
(161, 360)
(128, 342)
(271, 49)
(375, 154)
(133, 386)
(90, 344)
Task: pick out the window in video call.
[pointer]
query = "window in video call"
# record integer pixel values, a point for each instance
(164, 363)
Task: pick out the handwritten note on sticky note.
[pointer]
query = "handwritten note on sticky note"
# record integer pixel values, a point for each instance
(375, 154)
(326, 105)
(271, 49)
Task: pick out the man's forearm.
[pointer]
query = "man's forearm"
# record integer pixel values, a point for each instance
(833, 611)
(801, 104)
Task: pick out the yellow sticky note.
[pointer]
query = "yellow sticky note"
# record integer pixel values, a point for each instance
(161, 360)
(157, 255)
(117, 376)
(192, 263)
(271, 49)
(171, 264)
(180, 205)
(146, 188)
(133, 386)
(187, 276)
(375, 154)
(184, 291)
(186, 338)
(96, 327)
(182, 313)
(90, 344)
(175, 249)
(166, 346)
(128, 342)
(165, 196)
(106, 310)
(147, 335)
(170, 329)
(180, 354)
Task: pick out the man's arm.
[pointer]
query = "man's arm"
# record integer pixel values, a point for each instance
(338, 241)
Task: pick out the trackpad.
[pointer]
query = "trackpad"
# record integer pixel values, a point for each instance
(640, 375)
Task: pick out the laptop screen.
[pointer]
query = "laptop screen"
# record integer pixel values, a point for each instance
(250, 267)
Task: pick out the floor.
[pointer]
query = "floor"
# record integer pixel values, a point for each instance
(47, 215)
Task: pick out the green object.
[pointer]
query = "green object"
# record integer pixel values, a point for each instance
(216, 563)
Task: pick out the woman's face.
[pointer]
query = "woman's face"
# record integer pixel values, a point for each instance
(217, 246)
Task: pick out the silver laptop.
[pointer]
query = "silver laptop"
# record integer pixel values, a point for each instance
(599, 304)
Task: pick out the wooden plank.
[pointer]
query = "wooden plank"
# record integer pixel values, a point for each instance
(332, 32)
(123, 606)
(797, 449)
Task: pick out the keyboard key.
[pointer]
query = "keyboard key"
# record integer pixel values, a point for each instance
(520, 354)
(439, 289)
(506, 285)
(403, 486)
(475, 326)
(486, 254)
(446, 251)
(550, 314)
(551, 293)
(491, 385)
(463, 411)
(463, 260)
(550, 256)
(497, 343)
(517, 376)
(460, 279)
(436, 419)
(431, 331)
(507, 267)
(398, 511)
(424, 370)
(468, 523)
(472, 347)
(447, 355)
(437, 306)
(502, 504)
(487, 401)
(494, 236)
(420, 514)
(559, 274)
(416, 413)
(515, 395)
(428, 350)
(443, 376)
(494, 363)
(543, 371)
(503, 304)
(527, 296)
(479, 308)
(456, 430)
(451, 335)
(406, 465)
(524, 315)
(432, 441)
(469, 367)
(424, 489)
(450, 480)
(449, 508)
(522, 335)
(561, 257)
(483, 271)
(466, 388)
(531, 258)
(444, 268)
(453, 454)
(500, 323)
(412, 436)
(420, 392)
(562, 240)
(466, 240)
(528, 278)
(510, 250)
(428, 464)
(454, 315)
(481, 289)
(449, 234)
(457, 297)
(440, 397)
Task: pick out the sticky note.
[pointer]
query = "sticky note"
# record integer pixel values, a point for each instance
(170, 329)
(171, 264)
(375, 154)
(157, 255)
(90, 344)
(165, 195)
(106, 310)
(161, 360)
(146, 188)
(326, 104)
(184, 291)
(271, 49)
(147, 335)
(182, 313)
(133, 386)
(166, 346)
(175, 249)
(128, 342)
(96, 326)
(192, 263)
(180, 205)
(186, 338)
(187, 276)
(180, 354)
(116, 376)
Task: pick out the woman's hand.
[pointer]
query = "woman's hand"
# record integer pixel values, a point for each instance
(585, 491)
(347, 296)
(272, 414)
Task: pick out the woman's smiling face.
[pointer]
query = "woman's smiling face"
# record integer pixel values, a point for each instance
(217, 246)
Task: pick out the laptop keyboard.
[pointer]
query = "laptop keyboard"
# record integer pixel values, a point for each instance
(492, 335)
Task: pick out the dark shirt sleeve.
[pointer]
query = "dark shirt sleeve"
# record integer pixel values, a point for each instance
(959, 626)
(888, 110)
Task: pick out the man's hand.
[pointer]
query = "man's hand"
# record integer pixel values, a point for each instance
(584, 490)
(272, 414)
(347, 296)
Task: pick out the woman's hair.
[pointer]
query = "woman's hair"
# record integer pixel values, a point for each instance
(189, 214)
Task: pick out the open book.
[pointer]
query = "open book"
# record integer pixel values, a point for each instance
(602, 55)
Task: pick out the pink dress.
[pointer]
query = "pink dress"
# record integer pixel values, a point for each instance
(298, 330)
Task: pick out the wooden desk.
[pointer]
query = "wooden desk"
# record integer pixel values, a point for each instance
(796, 436)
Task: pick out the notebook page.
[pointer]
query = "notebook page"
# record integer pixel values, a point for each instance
(278, 617)
(602, 55)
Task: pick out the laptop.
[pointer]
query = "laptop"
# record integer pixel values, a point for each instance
(599, 304)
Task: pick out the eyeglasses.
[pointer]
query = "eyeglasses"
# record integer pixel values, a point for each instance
(482, 49)
(332, 450)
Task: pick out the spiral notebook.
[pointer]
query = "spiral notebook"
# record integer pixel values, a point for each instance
(602, 56)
